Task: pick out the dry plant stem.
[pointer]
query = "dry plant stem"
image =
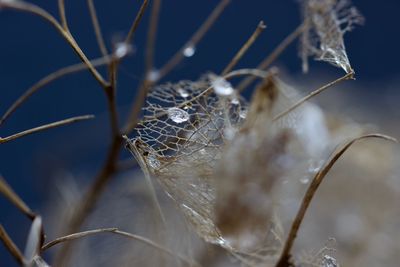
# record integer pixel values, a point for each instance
(48, 79)
(96, 26)
(10, 245)
(33, 9)
(136, 22)
(273, 56)
(45, 127)
(117, 232)
(312, 94)
(8, 192)
(63, 17)
(151, 36)
(260, 28)
(91, 196)
(75, 236)
(195, 39)
(284, 260)
(146, 83)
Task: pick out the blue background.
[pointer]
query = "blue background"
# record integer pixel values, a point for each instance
(30, 49)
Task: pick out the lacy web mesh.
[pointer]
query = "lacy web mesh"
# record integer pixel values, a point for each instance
(326, 23)
(179, 141)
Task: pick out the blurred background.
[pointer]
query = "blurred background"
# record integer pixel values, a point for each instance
(30, 49)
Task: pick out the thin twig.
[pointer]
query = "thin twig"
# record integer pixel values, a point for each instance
(117, 232)
(63, 17)
(284, 260)
(273, 56)
(136, 22)
(97, 28)
(195, 39)
(48, 79)
(10, 245)
(312, 94)
(33, 9)
(260, 28)
(91, 196)
(151, 36)
(9, 193)
(76, 236)
(172, 62)
(45, 127)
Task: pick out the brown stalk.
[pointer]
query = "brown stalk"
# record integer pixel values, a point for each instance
(195, 39)
(8, 192)
(135, 24)
(63, 17)
(110, 165)
(33, 9)
(11, 247)
(48, 79)
(260, 28)
(273, 56)
(115, 231)
(45, 127)
(285, 258)
(312, 94)
(97, 29)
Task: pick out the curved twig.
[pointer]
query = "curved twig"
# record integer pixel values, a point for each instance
(117, 232)
(274, 55)
(45, 127)
(284, 260)
(48, 79)
(348, 76)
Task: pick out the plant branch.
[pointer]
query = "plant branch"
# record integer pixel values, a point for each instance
(9, 193)
(11, 247)
(312, 94)
(136, 22)
(260, 28)
(63, 17)
(195, 39)
(97, 28)
(33, 9)
(91, 196)
(273, 56)
(48, 79)
(284, 260)
(115, 231)
(45, 127)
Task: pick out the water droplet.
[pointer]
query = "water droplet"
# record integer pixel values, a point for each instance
(235, 101)
(122, 49)
(243, 113)
(222, 87)
(183, 93)
(178, 115)
(314, 166)
(153, 75)
(189, 51)
(329, 261)
(304, 180)
(153, 162)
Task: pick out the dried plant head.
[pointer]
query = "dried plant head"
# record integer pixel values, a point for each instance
(326, 22)
(180, 139)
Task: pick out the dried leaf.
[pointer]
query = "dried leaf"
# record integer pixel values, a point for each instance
(326, 22)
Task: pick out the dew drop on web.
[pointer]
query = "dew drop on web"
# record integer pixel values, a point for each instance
(183, 93)
(222, 87)
(153, 162)
(329, 261)
(177, 115)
